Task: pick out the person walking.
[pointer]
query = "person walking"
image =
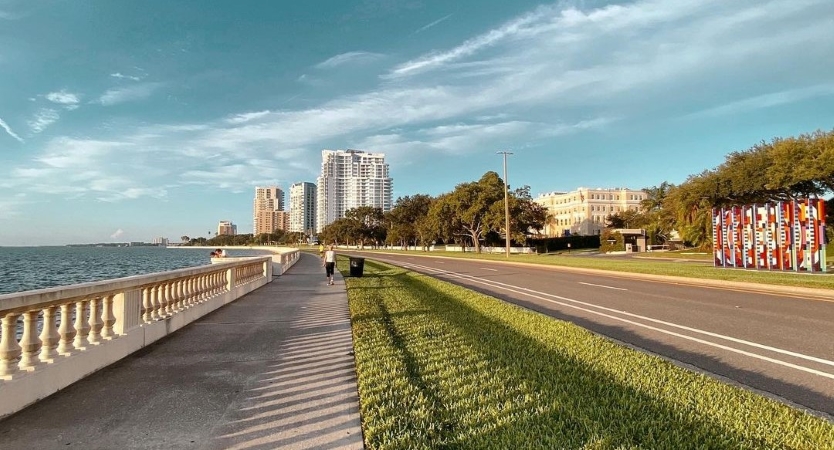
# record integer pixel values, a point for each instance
(329, 263)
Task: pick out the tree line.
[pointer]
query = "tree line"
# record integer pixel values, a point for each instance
(473, 213)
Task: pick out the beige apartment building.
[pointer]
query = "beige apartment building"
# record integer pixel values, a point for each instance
(268, 201)
(583, 211)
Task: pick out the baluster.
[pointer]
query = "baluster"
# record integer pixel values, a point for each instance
(66, 331)
(180, 294)
(9, 348)
(94, 336)
(82, 326)
(147, 306)
(49, 336)
(156, 305)
(109, 318)
(189, 292)
(169, 300)
(29, 342)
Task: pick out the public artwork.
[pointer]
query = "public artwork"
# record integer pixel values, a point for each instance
(774, 236)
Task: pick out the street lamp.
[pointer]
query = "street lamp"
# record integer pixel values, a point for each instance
(506, 203)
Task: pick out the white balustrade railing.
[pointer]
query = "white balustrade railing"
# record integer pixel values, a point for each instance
(50, 338)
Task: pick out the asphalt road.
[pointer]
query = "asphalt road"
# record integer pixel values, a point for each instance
(780, 345)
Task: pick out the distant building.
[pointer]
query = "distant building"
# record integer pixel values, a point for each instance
(584, 210)
(226, 228)
(350, 179)
(160, 241)
(282, 220)
(268, 200)
(303, 208)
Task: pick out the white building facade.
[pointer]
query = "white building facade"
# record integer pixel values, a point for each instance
(350, 179)
(583, 211)
(303, 208)
(267, 200)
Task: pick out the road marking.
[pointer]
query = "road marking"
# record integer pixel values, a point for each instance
(487, 268)
(602, 286)
(543, 296)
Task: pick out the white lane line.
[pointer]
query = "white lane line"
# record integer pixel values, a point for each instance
(603, 286)
(543, 295)
(487, 268)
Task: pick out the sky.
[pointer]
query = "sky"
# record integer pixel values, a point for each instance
(126, 121)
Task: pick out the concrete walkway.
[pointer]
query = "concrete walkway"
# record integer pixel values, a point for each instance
(272, 370)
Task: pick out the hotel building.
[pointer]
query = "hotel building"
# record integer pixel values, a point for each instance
(303, 208)
(268, 200)
(226, 228)
(350, 179)
(583, 211)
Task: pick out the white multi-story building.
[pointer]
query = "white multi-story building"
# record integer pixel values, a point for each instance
(350, 179)
(584, 210)
(303, 208)
(267, 200)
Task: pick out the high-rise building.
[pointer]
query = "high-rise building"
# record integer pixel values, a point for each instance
(350, 179)
(584, 210)
(303, 208)
(267, 200)
(226, 228)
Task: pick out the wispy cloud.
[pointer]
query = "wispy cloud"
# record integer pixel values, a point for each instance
(768, 100)
(125, 77)
(128, 94)
(118, 233)
(43, 118)
(246, 117)
(349, 57)
(426, 27)
(62, 97)
(9, 131)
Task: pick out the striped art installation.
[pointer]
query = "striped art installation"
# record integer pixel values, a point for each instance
(773, 236)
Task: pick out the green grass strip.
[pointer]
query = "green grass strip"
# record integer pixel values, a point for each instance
(649, 264)
(440, 366)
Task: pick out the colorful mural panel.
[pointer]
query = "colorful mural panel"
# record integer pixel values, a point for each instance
(774, 236)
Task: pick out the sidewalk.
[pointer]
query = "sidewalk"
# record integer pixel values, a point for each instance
(272, 370)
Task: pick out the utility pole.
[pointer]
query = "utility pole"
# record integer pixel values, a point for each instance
(506, 203)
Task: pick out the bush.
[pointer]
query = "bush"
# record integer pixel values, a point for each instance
(561, 243)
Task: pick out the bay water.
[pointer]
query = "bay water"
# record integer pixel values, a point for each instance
(29, 268)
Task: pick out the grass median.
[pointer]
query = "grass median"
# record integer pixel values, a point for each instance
(694, 266)
(440, 366)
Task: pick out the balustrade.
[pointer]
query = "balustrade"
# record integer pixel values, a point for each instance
(81, 321)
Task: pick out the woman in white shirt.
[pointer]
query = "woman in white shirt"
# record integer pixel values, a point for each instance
(329, 263)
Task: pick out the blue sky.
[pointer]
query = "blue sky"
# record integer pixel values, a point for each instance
(124, 120)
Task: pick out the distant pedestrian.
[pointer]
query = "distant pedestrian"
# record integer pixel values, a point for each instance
(329, 263)
(321, 251)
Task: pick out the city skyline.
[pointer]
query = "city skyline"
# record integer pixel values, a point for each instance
(138, 120)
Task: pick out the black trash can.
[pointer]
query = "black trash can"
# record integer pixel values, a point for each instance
(357, 266)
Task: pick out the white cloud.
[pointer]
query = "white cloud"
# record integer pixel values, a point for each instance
(124, 77)
(118, 233)
(128, 94)
(768, 100)
(63, 97)
(349, 57)
(43, 118)
(9, 131)
(246, 117)
(426, 27)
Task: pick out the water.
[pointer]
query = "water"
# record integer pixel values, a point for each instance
(28, 268)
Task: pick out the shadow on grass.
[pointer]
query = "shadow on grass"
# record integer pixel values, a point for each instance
(576, 404)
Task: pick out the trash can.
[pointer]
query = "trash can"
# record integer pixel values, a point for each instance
(357, 265)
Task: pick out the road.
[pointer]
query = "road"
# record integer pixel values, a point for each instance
(780, 345)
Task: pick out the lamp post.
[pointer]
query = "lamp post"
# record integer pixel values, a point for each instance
(506, 203)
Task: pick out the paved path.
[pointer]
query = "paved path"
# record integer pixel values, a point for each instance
(272, 370)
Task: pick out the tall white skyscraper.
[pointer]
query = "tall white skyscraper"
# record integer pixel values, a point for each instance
(267, 200)
(350, 179)
(303, 207)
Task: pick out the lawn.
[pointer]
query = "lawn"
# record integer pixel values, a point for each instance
(440, 366)
(649, 263)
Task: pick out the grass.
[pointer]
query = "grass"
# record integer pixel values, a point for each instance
(440, 366)
(649, 265)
